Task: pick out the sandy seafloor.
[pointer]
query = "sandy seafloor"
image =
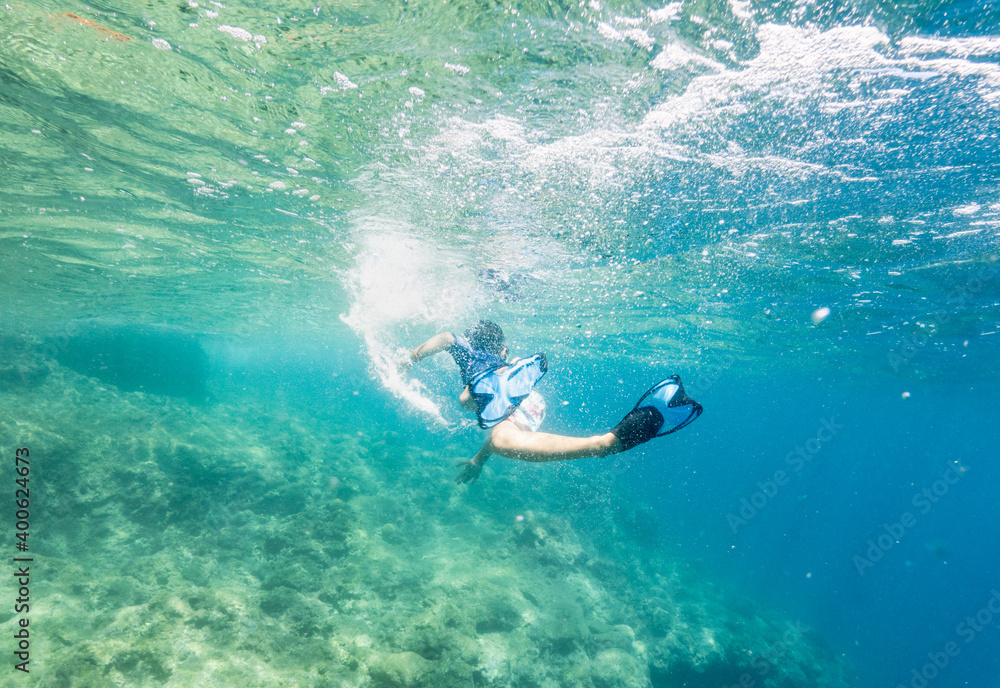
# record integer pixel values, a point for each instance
(253, 543)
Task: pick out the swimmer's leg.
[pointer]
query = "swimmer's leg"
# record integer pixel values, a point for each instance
(512, 442)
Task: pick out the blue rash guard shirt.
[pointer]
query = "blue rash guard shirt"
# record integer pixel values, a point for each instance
(471, 362)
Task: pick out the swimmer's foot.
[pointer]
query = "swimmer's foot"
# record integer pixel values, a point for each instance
(663, 409)
(640, 425)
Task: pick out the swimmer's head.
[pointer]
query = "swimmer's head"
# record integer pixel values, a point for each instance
(486, 336)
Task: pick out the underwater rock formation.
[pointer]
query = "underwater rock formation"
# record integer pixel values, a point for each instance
(21, 364)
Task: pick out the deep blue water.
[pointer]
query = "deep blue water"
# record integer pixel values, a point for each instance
(798, 551)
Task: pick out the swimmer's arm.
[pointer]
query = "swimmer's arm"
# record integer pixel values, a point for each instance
(485, 452)
(434, 345)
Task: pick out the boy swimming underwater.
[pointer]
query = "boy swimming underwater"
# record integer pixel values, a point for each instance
(502, 395)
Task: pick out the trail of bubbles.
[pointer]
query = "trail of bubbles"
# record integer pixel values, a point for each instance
(400, 281)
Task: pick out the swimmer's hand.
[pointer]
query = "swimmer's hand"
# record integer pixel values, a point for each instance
(473, 468)
(404, 363)
(470, 473)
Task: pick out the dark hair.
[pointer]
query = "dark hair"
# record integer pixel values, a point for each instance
(486, 336)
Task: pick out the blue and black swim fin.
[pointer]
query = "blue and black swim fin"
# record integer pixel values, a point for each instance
(498, 394)
(663, 409)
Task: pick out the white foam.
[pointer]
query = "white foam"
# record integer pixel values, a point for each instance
(741, 8)
(400, 281)
(243, 34)
(236, 32)
(637, 36)
(964, 232)
(674, 56)
(462, 138)
(741, 165)
(343, 81)
(793, 65)
(668, 13)
(956, 47)
(901, 73)
(970, 209)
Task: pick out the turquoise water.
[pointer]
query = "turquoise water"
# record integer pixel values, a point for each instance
(222, 221)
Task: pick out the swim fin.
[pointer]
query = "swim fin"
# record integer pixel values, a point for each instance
(663, 409)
